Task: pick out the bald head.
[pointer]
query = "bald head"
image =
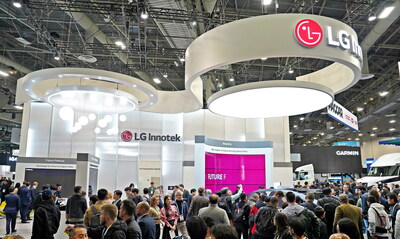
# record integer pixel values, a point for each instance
(339, 236)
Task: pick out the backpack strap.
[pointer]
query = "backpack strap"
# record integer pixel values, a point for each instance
(94, 210)
(380, 219)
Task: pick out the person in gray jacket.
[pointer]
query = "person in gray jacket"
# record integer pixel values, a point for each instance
(197, 203)
(213, 211)
(127, 213)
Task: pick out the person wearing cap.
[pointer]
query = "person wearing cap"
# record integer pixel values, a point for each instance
(152, 189)
(47, 218)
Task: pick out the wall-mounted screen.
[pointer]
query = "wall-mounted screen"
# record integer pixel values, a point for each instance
(229, 170)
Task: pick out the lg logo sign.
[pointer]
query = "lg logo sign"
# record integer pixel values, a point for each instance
(308, 33)
(126, 136)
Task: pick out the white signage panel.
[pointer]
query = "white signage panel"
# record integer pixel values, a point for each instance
(341, 114)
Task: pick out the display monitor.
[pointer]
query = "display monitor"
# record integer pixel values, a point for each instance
(229, 170)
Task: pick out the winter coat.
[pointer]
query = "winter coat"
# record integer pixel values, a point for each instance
(76, 207)
(116, 231)
(378, 220)
(46, 220)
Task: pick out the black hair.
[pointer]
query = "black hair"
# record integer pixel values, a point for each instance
(192, 190)
(224, 231)
(327, 191)
(196, 227)
(165, 204)
(181, 185)
(242, 196)
(93, 198)
(267, 199)
(297, 225)
(58, 184)
(281, 223)
(11, 189)
(371, 199)
(291, 197)
(135, 190)
(129, 207)
(392, 196)
(131, 185)
(298, 199)
(118, 192)
(274, 200)
(128, 189)
(348, 227)
(319, 211)
(145, 190)
(102, 194)
(77, 189)
(210, 222)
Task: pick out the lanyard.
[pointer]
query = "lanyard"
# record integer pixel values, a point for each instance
(104, 232)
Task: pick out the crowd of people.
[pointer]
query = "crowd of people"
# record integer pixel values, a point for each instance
(346, 210)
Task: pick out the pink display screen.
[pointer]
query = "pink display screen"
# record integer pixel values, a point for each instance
(229, 170)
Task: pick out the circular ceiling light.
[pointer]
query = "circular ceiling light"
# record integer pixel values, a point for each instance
(66, 113)
(81, 98)
(83, 120)
(270, 99)
(122, 118)
(102, 123)
(92, 116)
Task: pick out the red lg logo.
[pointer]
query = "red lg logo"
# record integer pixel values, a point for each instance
(126, 136)
(308, 33)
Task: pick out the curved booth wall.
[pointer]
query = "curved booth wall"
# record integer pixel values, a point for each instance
(146, 156)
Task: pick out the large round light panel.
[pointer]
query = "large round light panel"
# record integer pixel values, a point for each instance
(90, 99)
(270, 99)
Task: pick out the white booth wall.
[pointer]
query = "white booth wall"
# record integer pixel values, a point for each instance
(45, 134)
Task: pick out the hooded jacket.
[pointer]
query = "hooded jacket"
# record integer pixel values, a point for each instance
(253, 212)
(116, 231)
(46, 220)
(378, 220)
(292, 210)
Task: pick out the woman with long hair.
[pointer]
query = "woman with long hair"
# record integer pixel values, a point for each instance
(348, 227)
(155, 213)
(282, 226)
(169, 215)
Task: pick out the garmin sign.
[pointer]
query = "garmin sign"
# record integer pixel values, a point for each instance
(347, 152)
(309, 33)
(128, 136)
(341, 114)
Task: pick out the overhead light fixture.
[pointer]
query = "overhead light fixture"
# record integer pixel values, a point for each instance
(3, 73)
(144, 15)
(279, 98)
(373, 135)
(264, 58)
(102, 123)
(176, 63)
(360, 135)
(220, 85)
(181, 59)
(122, 118)
(83, 120)
(371, 17)
(331, 127)
(23, 40)
(294, 126)
(291, 71)
(156, 80)
(322, 134)
(374, 128)
(57, 58)
(360, 109)
(165, 75)
(193, 22)
(18, 107)
(392, 129)
(357, 139)
(266, 2)
(108, 118)
(119, 43)
(97, 130)
(17, 4)
(92, 117)
(301, 118)
(348, 138)
(392, 121)
(66, 113)
(231, 79)
(386, 12)
(383, 93)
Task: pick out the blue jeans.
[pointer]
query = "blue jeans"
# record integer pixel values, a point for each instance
(24, 212)
(11, 218)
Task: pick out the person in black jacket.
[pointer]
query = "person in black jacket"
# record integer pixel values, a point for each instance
(4, 190)
(11, 210)
(127, 213)
(46, 219)
(329, 204)
(146, 223)
(76, 207)
(309, 203)
(111, 228)
(241, 216)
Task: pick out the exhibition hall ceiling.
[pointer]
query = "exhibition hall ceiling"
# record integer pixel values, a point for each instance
(148, 38)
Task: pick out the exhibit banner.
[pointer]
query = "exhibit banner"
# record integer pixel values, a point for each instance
(341, 114)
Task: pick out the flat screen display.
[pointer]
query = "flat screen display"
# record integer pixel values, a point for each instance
(229, 170)
(53, 176)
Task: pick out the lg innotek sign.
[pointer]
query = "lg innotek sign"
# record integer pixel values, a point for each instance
(310, 34)
(128, 136)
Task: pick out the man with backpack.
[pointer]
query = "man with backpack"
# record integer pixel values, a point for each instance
(329, 204)
(264, 200)
(295, 211)
(264, 221)
(47, 218)
(92, 214)
(241, 216)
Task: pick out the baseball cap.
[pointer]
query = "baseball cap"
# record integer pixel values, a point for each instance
(47, 194)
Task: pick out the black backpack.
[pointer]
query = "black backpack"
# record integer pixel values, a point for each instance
(311, 221)
(265, 221)
(238, 213)
(95, 220)
(330, 208)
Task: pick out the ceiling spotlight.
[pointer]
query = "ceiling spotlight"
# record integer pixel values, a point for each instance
(360, 134)
(109, 131)
(392, 121)
(3, 73)
(165, 75)
(220, 85)
(322, 134)
(181, 59)
(92, 116)
(108, 118)
(348, 138)
(83, 120)
(144, 15)
(231, 79)
(383, 93)
(17, 4)
(360, 109)
(291, 71)
(357, 139)
(176, 63)
(122, 118)
(374, 128)
(156, 80)
(57, 58)
(119, 43)
(392, 129)
(294, 126)
(18, 107)
(373, 134)
(193, 22)
(386, 12)
(264, 58)
(331, 127)
(266, 2)
(102, 123)
(97, 130)
(301, 118)
(371, 17)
